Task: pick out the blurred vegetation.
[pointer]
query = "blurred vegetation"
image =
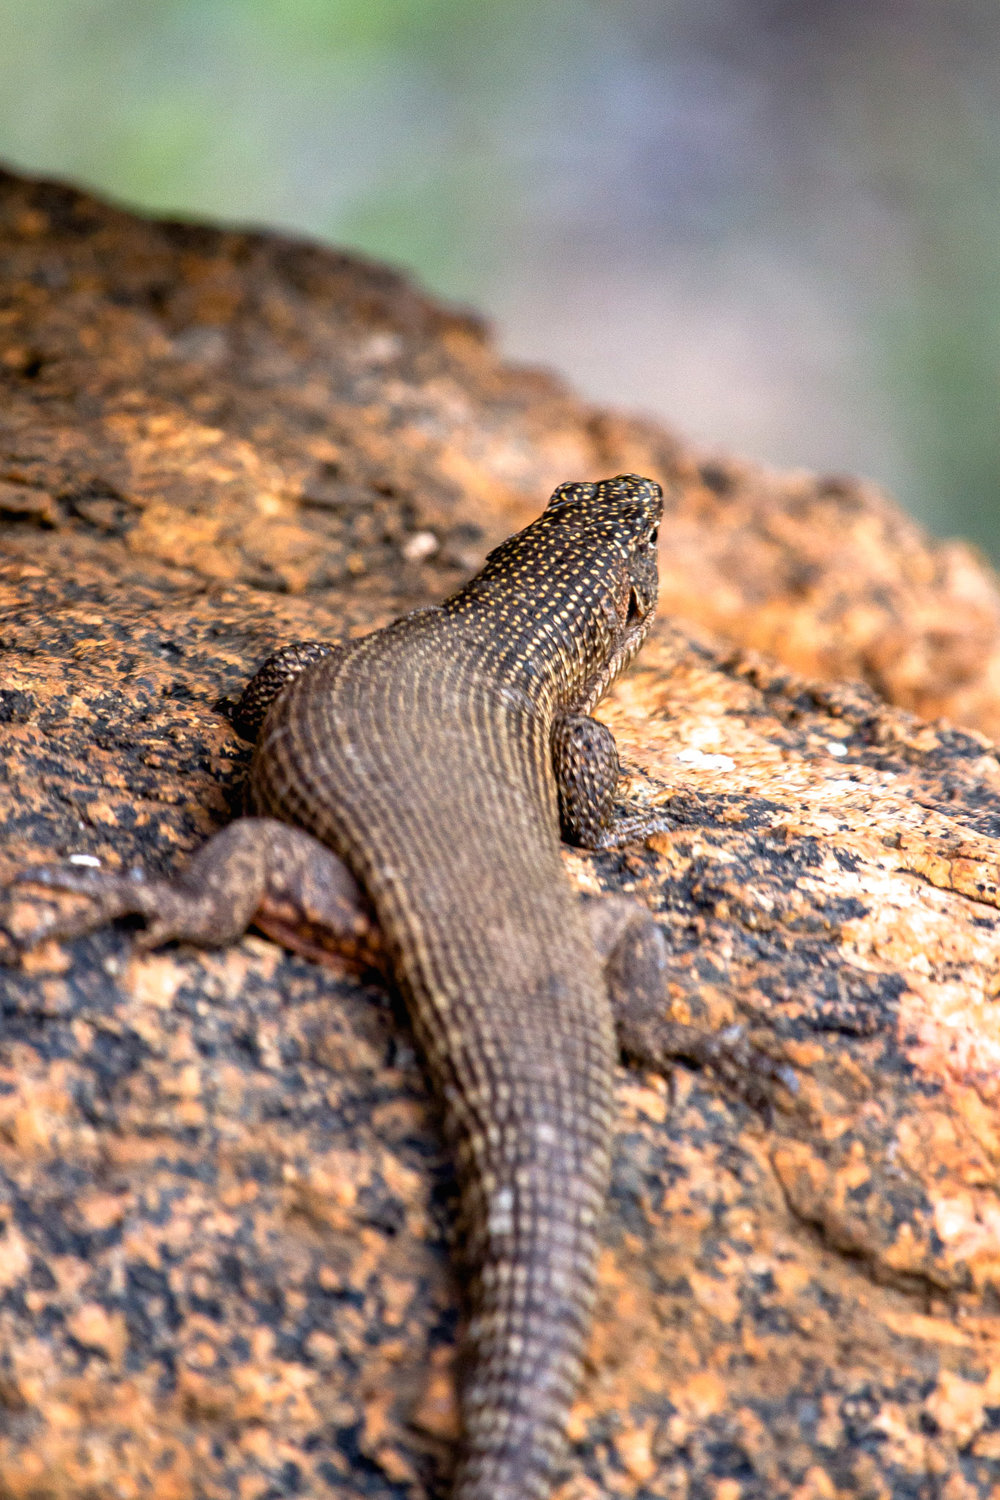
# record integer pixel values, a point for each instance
(774, 225)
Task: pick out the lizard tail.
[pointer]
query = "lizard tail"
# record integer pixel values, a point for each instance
(533, 1260)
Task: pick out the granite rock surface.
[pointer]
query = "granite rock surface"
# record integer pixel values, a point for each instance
(224, 1205)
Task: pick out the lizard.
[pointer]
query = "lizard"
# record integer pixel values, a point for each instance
(406, 800)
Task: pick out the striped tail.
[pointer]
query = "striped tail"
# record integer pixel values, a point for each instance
(533, 1211)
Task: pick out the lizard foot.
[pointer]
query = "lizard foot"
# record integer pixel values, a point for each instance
(633, 829)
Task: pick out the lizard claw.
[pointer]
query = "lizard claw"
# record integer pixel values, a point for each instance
(635, 829)
(746, 1070)
(60, 876)
(109, 894)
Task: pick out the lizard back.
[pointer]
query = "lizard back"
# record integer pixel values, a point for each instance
(422, 755)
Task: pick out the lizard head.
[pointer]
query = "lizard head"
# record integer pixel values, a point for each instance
(617, 525)
(571, 597)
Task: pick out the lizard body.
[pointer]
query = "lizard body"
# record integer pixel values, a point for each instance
(422, 776)
(422, 755)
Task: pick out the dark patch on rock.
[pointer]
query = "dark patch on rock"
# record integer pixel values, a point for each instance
(225, 1207)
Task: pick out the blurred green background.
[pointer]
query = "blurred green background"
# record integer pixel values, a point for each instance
(774, 225)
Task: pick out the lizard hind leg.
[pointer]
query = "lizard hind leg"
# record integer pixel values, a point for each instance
(257, 870)
(633, 950)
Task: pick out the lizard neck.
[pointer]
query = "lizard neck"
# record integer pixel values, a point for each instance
(560, 608)
(560, 650)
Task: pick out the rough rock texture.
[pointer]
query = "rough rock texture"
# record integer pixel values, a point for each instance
(223, 1203)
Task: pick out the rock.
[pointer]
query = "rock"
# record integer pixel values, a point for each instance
(224, 1206)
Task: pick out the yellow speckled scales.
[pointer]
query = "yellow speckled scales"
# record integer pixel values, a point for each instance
(422, 755)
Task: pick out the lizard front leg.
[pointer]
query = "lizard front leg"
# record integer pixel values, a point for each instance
(585, 758)
(271, 679)
(257, 871)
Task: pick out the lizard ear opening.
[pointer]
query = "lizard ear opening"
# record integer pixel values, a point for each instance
(634, 608)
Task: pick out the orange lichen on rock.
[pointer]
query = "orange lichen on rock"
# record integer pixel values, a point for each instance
(224, 1205)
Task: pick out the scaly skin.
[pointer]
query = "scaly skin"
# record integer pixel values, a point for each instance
(423, 755)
